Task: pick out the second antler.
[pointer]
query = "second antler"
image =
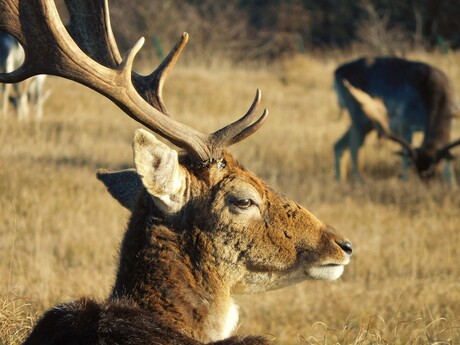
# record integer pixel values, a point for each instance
(89, 55)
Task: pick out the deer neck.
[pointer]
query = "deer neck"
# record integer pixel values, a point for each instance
(157, 274)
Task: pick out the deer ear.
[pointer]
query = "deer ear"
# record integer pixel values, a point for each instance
(123, 185)
(160, 172)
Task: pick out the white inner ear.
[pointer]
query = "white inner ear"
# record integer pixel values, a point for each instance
(160, 171)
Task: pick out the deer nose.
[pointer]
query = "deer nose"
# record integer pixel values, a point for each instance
(346, 247)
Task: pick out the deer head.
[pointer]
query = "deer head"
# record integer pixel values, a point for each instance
(259, 239)
(223, 225)
(202, 226)
(426, 158)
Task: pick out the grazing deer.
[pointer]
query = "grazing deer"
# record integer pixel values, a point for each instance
(28, 96)
(409, 97)
(202, 227)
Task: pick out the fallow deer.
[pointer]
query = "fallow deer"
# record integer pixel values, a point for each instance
(413, 97)
(202, 227)
(28, 97)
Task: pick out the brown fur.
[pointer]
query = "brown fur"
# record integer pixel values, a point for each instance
(86, 322)
(177, 272)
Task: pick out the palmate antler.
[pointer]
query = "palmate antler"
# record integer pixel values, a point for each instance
(376, 111)
(88, 54)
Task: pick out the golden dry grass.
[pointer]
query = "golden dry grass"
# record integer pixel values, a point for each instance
(60, 230)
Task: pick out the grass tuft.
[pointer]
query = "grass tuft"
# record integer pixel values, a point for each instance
(17, 317)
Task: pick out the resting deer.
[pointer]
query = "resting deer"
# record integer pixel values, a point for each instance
(28, 97)
(202, 227)
(413, 96)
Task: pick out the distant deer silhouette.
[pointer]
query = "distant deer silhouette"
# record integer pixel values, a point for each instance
(413, 97)
(202, 227)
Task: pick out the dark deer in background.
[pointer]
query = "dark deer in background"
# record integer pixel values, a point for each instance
(202, 227)
(409, 97)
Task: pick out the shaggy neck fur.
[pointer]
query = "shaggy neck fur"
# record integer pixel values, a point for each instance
(159, 275)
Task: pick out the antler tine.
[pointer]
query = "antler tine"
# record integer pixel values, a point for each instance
(151, 87)
(240, 129)
(249, 130)
(376, 111)
(444, 151)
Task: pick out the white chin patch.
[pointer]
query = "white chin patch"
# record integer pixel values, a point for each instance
(326, 272)
(224, 324)
(231, 321)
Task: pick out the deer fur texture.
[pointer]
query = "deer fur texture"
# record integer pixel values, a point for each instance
(195, 238)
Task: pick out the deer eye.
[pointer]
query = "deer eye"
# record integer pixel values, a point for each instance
(243, 203)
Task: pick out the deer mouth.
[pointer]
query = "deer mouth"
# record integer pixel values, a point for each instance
(263, 277)
(326, 272)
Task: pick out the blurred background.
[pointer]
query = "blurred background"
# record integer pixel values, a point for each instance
(271, 29)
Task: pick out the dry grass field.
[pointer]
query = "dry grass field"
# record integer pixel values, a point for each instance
(60, 229)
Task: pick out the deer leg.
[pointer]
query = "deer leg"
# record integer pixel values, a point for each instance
(357, 136)
(36, 96)
(406, 161)
(5, 98)
(22, 99)
(339, 147)
(449, 174)
(23, 107)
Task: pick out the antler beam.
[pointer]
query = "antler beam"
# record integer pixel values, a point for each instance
(90, 56)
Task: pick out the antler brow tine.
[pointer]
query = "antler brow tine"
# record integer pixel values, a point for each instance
(126, 64)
